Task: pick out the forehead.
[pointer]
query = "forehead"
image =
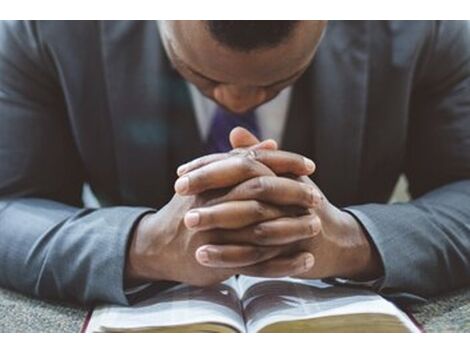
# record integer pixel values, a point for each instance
(191, 42)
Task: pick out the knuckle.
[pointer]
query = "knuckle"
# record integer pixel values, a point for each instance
(267, 184)
(308, 195)
(313, 196)
(320, 199)
(259, 211)
(323, 201)
(261, 234)
(237, 160)
(250, 154)
(255, 186)
(260, 187)
(241, 162)
(314, 225)
(247, 165)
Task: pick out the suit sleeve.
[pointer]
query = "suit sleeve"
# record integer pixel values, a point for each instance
(425, 244)
(50, 246)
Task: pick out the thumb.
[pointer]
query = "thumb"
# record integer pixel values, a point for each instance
(242, 138)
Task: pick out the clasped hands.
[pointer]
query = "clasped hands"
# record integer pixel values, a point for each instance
(252, 211)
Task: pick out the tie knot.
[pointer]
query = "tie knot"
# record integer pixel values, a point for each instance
(223, 122)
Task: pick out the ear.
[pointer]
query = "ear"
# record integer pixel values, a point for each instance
(242, 138)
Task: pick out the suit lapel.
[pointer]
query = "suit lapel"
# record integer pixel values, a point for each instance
(146, 102)
(336, 109)
(185, 141)
(298, 133)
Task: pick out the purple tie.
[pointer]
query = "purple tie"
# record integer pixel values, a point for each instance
(222, 123)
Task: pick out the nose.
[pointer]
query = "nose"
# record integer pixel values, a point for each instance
(239, 99)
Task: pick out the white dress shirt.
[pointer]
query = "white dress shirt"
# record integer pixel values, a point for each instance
(271, 116)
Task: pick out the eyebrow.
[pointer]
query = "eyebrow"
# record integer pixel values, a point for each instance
(193, 71)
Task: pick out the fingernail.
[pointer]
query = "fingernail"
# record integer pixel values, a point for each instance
(202, 256)
(315, 227)
(182, 185)
(309, 164)
(309, 261)
(192, 219)
(181, 170)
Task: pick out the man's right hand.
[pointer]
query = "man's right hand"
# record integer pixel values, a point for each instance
(234, 205)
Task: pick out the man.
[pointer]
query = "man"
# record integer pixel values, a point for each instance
(122, 105)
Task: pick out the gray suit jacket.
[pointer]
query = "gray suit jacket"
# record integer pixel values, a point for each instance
(98, 102)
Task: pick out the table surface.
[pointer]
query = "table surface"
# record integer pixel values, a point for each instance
(19, 313)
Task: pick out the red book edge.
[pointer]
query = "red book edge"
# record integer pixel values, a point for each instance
(408, 312)
(86, 321)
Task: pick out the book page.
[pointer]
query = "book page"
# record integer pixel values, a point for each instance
(267, 301)
(178, 306)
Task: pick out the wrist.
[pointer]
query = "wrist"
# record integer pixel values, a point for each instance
(140, 263)
(359, 257)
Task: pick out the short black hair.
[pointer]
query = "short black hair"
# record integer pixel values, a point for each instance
(250, 35)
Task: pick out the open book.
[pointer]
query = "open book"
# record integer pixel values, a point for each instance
(247, 304)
